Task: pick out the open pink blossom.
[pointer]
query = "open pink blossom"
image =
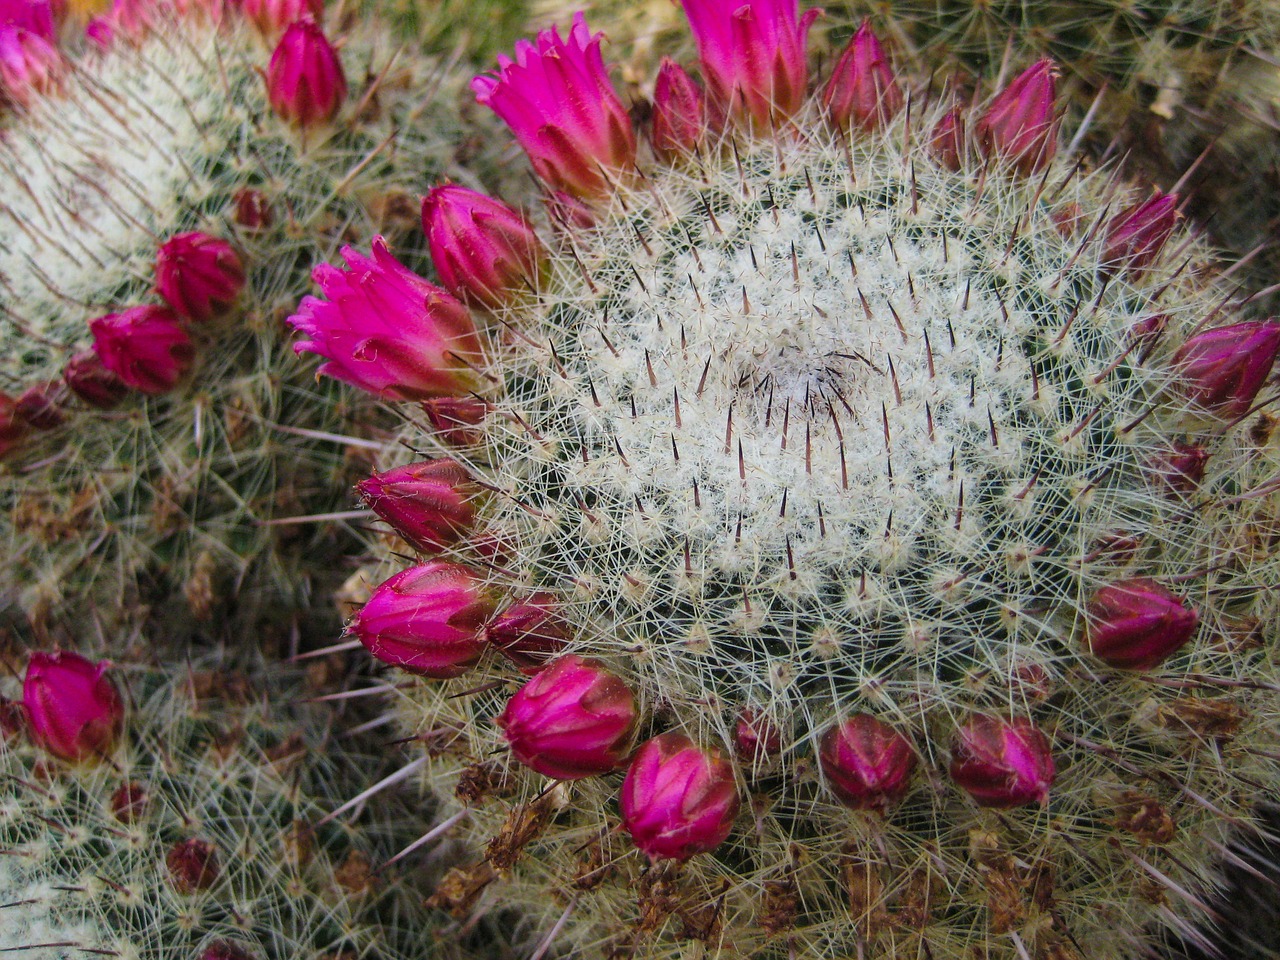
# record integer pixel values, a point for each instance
(73, 709)
(30, 66)
(37, 16)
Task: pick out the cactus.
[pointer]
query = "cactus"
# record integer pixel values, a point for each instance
(878, 444)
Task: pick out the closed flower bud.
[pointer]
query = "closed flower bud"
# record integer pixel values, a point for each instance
(457, 420)
(305, 82)
(193, 865)
(1181, 469)
(1223, 369)
(13, 426)
(30, 66)
(41, 405)
(1002, 763)
(677, 799)
(679, 112)
(428, 620)
(253, 211)
(145, 347)
(946, 142)
(431, 504)
(92, 382)
(529, 633)
(574, 719)
(862, 90)
(226, 950)
(73, 709)
(1136, 624)
(484, 251)
(756, 738)
(866, 763)
(270, 17)
(199, 276)
(1019, 125)
(1136, 236)
(130, 802)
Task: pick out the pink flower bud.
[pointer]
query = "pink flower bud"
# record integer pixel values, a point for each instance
(1182, 468)
(253, 210)
(305, 82)
(73, 709)
(678, 800)
(563, 110)
(862, 88)
(457, 420)
(1136, 624)
(756, 738)
(388, 331)
(193, 865)
(130, 802)
(1002, 763)
(484, 251)
(41, 405)
(529, 633)
(270, 17)
(30, 66)
(1136, 236)
(946, 142)
(199, 276)
(428, 620)
(1019, 125)
(92, 382)
(145, 347)
(431, 504)
(753, 56)
(866, 763)
(226, 950)
(680, 118)
(1223, 369)
(575, 719)
(13, 426)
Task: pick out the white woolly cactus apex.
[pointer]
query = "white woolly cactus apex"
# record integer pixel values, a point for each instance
(891, 459)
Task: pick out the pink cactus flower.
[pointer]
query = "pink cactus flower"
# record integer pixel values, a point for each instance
(92, 382)
(431, 503)
(271, 17)
(388, 331)
(13, 426)
(1019, 126)
(866, 763)
(862, 90)
(485, 252)
(1223, 369)
(41, 405)
(677, 799)
(1135, 236)
(1002, 763)
(575, 719)
(34, 16)
(30, 66)
(305, 82)
(428, 620)
(73, 709)
(1137, 624)
(530, 633)
(680, 116)
(458, 421)
(145, 347)
(193, 865)
(199, 276)
(947, 141)
(756, 738)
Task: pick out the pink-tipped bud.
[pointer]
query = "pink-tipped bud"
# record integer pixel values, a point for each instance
(145, 347)
(1136, 236)
(431, 504)
(458, 421)
(678, 799)
(866, 763)
(1223, 369)
(130, 802)
(193, 866)
(1181, 468)
(253, 211)
(305, 82)
(13, 426)
(756, 738)
(946, 142)
(1019, 126)
(1137, 624)
(428, 620)
(680, 118)
(530, 633)
(270, 17)
(862, 90)
(1002, 763)
(73, 709)
(485, 252)
(575, 719)
(92, 382)
(30, 66)
(42, 405)
(199, 276)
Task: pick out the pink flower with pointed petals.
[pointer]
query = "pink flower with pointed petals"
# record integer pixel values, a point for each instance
(431, 504)
(199, 276)
(30, 66)
(36, 16)
(1020, 126)
(1136, 236)
(388, 331)
(145, 347)
(270, 17)
(557, 99)
(305, 82)
(1137, 624)
(73, 709)
(1223, 369)
(680, 117)
(1002, 763)
(866, 763)
(13, 426)
(862, 89)
(753, 55)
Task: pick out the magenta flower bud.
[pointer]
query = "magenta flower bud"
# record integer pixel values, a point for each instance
(1137, 624)
(680, 118)
(34, 16)
(946, 142)
(100, 32)
(563, 110)
(92, 382)
(431, 504)
(428, 620)
(1182, 468)
(253, 211)
(305, 82)
(388, 331)
(226, 950)
(41, 405)
(1223, 369)
(73, 709)
(529, 633)
(753, 56)
(677, 799)
(862, 89)
(1019, 125)
(193, 865)
(199, 276)
(145, 347)
(1136, 236)
(13, 426)
(756, 738)
(1002, 763)
(30, 65)
(457, 420)
(485, 251)
(271, 17)
(575, 719)
(866, 763)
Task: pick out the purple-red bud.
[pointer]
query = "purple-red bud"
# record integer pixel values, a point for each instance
(199, 276)
(1002, 763)
(145, 347)
(1223, 369)
(193, 865)
(1136, 624)
(92, 382)
(13, 426)
(431, 504)
(41, 405)
(253, 210)
(946, 142)
(73, 709)
(756, 738)
(862, 90)
(226, 950)
(130, 802)
(305, 82)
(1182, 468)
(529, 633)
(680, 118)
(866, 763)
(1136, 236)
(458, 421)
(1019, 126)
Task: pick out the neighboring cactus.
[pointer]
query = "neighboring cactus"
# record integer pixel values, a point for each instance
(914, 430)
